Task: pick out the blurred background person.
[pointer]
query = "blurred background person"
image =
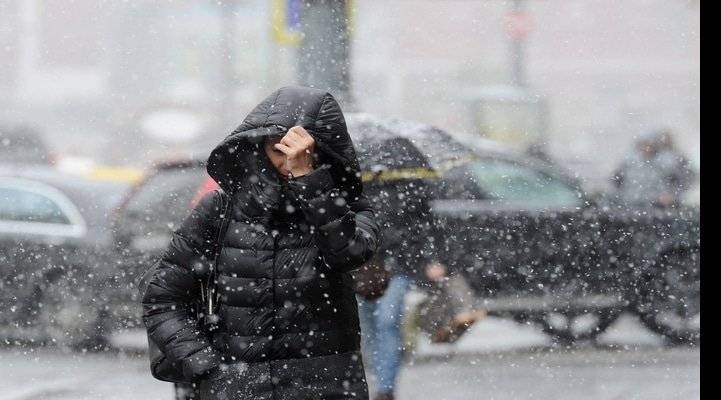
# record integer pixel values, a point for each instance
(654, 173)
(413, 249)
(406, 242)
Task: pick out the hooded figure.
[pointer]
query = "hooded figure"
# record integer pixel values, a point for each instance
(655, 173)
(289, 325)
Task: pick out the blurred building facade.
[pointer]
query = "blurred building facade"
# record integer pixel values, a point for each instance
(594, 73)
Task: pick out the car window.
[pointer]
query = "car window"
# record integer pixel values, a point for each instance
(38, 209)
(21, 205)
(503, 181)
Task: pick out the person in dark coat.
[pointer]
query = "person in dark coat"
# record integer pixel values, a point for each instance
(415, 250)
(299, 223)
(407, 231)
(409, 242)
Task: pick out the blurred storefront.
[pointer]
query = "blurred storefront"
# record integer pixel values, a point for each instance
(588, 76)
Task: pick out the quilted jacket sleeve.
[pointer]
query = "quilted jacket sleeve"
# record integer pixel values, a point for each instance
(347, 232)
(168, 301)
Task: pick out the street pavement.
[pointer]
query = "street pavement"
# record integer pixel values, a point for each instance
(497, 359)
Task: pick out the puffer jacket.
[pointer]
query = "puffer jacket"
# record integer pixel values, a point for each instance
(285, 295)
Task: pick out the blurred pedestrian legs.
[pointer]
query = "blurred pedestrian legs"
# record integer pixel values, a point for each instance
(382, 340)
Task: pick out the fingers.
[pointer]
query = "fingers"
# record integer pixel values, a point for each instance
(298, 146)
(298, 133)
(296, 142)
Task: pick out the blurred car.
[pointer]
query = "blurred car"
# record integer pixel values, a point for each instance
(54, 243)
(22, 144)
(142, 227)
(537, 248)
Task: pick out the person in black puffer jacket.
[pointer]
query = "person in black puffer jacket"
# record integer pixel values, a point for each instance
(299, 223)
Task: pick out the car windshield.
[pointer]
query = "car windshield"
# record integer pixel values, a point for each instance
(23, 145)
(508, 182)
(168, 194)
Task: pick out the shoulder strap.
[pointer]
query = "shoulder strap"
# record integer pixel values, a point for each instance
(223, 202)
(208, 291)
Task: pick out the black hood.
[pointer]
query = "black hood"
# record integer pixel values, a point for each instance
(240, 160)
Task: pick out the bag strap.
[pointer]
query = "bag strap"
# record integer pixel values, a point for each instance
(208, 292)
(224, 220)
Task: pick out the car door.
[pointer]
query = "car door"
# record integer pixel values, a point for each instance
(515, 230)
